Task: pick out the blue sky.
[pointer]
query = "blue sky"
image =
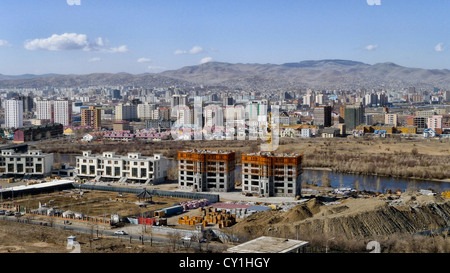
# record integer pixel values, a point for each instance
(140, 36)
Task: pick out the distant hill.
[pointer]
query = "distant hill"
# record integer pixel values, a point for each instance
(321, 74)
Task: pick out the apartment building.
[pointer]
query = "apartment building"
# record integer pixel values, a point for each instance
(54, 111)
(269, 174)
(13, 113)
(131, 168)
(145, 110)
(32, 162)
(322, 116)
(202, 170)
(391, 119)
(126, 112)
(62, 112)
(91, 116)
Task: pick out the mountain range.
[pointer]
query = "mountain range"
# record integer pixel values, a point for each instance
(317, 74)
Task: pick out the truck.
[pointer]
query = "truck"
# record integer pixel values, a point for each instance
(169, 211)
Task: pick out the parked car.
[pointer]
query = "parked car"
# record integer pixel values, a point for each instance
(9, 213)
(2, 212)
(120, 232)
(186, 238)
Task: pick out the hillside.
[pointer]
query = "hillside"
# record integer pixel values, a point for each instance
(321, 74)
(352, 218)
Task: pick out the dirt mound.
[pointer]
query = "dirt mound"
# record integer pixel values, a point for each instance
(352, 218)
(301, 212)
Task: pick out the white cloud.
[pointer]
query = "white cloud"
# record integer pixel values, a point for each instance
(205, 60)
(196, 50)
(120, 49)
(73, 2)
(144, 60)
(193, 50)
(179, 52)
(4, 43)
(370, 47)
(95, 59)
(439, 47)
(71, 41)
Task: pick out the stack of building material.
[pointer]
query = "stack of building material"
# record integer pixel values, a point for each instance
(193, 204)
(209, 215)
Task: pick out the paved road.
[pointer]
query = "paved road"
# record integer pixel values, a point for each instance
(159, 236)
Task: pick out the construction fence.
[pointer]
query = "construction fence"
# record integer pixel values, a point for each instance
(212, 198)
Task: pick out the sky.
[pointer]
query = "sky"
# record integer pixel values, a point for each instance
(150, 36)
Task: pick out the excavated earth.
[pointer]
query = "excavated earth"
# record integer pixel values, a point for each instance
(360, 217)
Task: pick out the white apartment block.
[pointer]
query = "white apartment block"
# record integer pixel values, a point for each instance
(145, 110)
(33, 162)
(130, 168)
(213, 115)
(13, 114)
(44, 110)
(268, 174)
(62, 112)
(56, 111)
(204, 171)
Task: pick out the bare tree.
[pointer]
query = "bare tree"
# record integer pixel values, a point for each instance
(174, 237)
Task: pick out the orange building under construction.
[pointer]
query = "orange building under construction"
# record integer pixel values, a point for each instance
(271, 174)
(203, 170)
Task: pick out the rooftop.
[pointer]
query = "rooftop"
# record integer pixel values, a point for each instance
(196, 151)
(265, 244)
(271, 154)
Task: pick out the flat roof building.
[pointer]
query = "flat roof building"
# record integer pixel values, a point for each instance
(203, 170)
(266, 244)
(32, 162)
(112, 167)
(268, 174)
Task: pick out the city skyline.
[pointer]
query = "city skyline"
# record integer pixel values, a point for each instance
(82, 37)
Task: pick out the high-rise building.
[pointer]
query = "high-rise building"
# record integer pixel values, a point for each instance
(203, 170)
(44, 110)
(62, 112)
(268, 174)
(181, 100)
(213, 115)
(145, 110)
(27, 103)
(13, 113)
(126, 112)
(91, 116)
(322, 116)
(354, 115)
(55, 111)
